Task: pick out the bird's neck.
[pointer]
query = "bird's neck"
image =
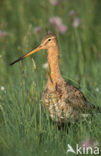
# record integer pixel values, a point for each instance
(54, 75)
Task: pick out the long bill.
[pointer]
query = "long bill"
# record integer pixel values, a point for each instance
(28, 54)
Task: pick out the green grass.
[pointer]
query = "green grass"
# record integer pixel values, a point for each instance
(25, 128)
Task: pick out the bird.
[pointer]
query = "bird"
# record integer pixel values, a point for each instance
(63, 101)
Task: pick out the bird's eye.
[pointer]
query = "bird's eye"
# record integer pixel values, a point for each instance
(49, 39)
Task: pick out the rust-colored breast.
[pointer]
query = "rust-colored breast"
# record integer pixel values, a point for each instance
(64, 103)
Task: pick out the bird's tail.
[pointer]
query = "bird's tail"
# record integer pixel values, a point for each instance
(92, 109)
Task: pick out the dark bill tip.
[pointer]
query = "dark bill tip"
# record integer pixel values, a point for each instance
(19, 59)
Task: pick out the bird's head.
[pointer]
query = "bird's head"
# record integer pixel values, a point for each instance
(48, 41)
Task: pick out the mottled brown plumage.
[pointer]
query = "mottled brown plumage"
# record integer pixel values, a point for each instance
(61, 99)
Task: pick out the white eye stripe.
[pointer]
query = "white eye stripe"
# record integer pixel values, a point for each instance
(50, 38)
(47, 40)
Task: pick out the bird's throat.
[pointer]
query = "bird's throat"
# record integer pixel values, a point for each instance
(54, 76)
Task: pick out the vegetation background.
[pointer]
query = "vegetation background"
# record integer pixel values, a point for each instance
(24, 128)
